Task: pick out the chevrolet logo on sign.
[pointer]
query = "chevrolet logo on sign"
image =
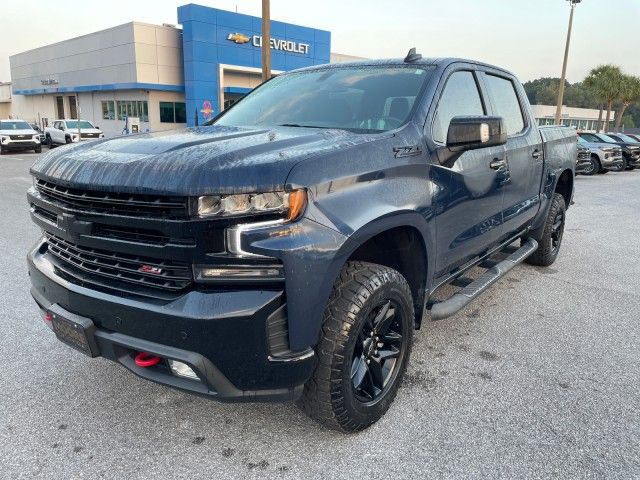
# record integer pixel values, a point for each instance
(238, 38)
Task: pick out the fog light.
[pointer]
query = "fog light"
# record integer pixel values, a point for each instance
(180, 369)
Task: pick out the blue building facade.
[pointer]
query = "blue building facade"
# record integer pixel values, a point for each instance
(214, 40)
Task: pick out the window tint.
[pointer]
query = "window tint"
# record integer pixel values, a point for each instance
(506, 103)
(459, 98)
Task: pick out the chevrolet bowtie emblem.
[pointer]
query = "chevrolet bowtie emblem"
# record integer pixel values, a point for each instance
(238, 38)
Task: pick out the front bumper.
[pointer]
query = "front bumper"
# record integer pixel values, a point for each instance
(20, 144)
(221, 334)
(633, 160)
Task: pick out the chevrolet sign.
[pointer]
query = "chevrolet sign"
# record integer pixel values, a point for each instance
(276, 43)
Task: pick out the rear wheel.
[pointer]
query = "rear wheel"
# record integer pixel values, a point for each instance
(551, 239)
(363, 350)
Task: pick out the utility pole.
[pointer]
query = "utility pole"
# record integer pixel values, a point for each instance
(564, 64)
(78, 115)
(266, 41)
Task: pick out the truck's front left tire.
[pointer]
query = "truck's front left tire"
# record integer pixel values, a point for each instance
(364, 347)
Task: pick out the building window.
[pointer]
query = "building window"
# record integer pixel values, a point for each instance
(108, 110)
(173, 112)
(73, 111)
(133, 108)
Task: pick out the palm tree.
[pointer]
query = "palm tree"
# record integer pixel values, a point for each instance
(629, 95)
(605, 82)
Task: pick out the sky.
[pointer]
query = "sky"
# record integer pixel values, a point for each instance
(524, 36)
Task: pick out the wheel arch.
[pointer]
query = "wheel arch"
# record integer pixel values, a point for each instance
(564, 186)
(400, 242)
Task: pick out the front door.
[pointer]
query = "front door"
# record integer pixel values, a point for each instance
(469, 194)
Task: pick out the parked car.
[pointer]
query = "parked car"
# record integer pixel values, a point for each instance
(630, 151)
(604, 157)
(289, 249)
(18, 135)
(40, 132)
(66, 131)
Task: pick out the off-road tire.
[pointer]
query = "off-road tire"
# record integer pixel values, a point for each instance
(49, 142)
(38, 149)
(67, 139)
(547, 253)
(329, 396)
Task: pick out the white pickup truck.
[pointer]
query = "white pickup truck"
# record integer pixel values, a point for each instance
(66, 131)
(18, 135)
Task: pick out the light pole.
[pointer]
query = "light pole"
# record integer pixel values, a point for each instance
(266, 41)
(564, 63)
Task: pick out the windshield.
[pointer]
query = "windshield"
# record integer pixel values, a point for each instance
(582, 140)
(359, 99)
(15, 125)
(83, 124)
(626, 138)
(606, 138)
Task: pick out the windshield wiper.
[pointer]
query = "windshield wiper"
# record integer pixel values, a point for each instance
(306, 126)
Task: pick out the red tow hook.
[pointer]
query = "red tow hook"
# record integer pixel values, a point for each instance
(144, 359)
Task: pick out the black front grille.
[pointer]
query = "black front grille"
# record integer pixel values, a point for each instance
(130, 234)
(20, 137)
(584, 155)
(115, 203)
(89, 135)
(85, 264)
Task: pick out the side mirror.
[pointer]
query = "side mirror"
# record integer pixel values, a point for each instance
(96, 127)
(471, 133)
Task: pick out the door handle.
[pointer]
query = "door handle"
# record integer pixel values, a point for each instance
(498, 164)
(536, 154)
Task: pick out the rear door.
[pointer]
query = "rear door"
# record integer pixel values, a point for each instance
(469, 193)
(524, 152)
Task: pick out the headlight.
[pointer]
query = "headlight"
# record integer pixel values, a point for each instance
(36, 137)
(4, 139)
(292, 203)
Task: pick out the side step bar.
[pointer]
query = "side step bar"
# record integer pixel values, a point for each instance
(464, 297)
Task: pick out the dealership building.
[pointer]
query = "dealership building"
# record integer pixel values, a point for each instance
(163, 75)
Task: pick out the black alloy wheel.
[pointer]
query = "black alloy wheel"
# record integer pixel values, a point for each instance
(376, 351)
(557, 231)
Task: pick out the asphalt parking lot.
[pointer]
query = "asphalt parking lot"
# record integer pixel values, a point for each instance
(539, 378)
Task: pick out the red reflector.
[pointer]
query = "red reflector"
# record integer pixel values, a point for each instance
(144, 359)
(48, 317)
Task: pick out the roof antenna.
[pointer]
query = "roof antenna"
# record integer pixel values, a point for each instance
(412, 56)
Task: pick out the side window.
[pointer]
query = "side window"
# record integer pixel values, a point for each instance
(506, 103)
(460, 97)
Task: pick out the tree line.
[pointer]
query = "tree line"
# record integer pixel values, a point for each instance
(606, 88)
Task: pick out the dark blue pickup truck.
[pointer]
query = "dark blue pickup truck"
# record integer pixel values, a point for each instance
(288, 250)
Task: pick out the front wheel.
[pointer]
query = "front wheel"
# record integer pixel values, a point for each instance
(622, 166)
(551, 238)
(38, 149)
(594, 166)
(363, 350)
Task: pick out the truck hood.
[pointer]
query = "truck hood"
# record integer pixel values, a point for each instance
(193, 161)
(18, 132)
(600, 146)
